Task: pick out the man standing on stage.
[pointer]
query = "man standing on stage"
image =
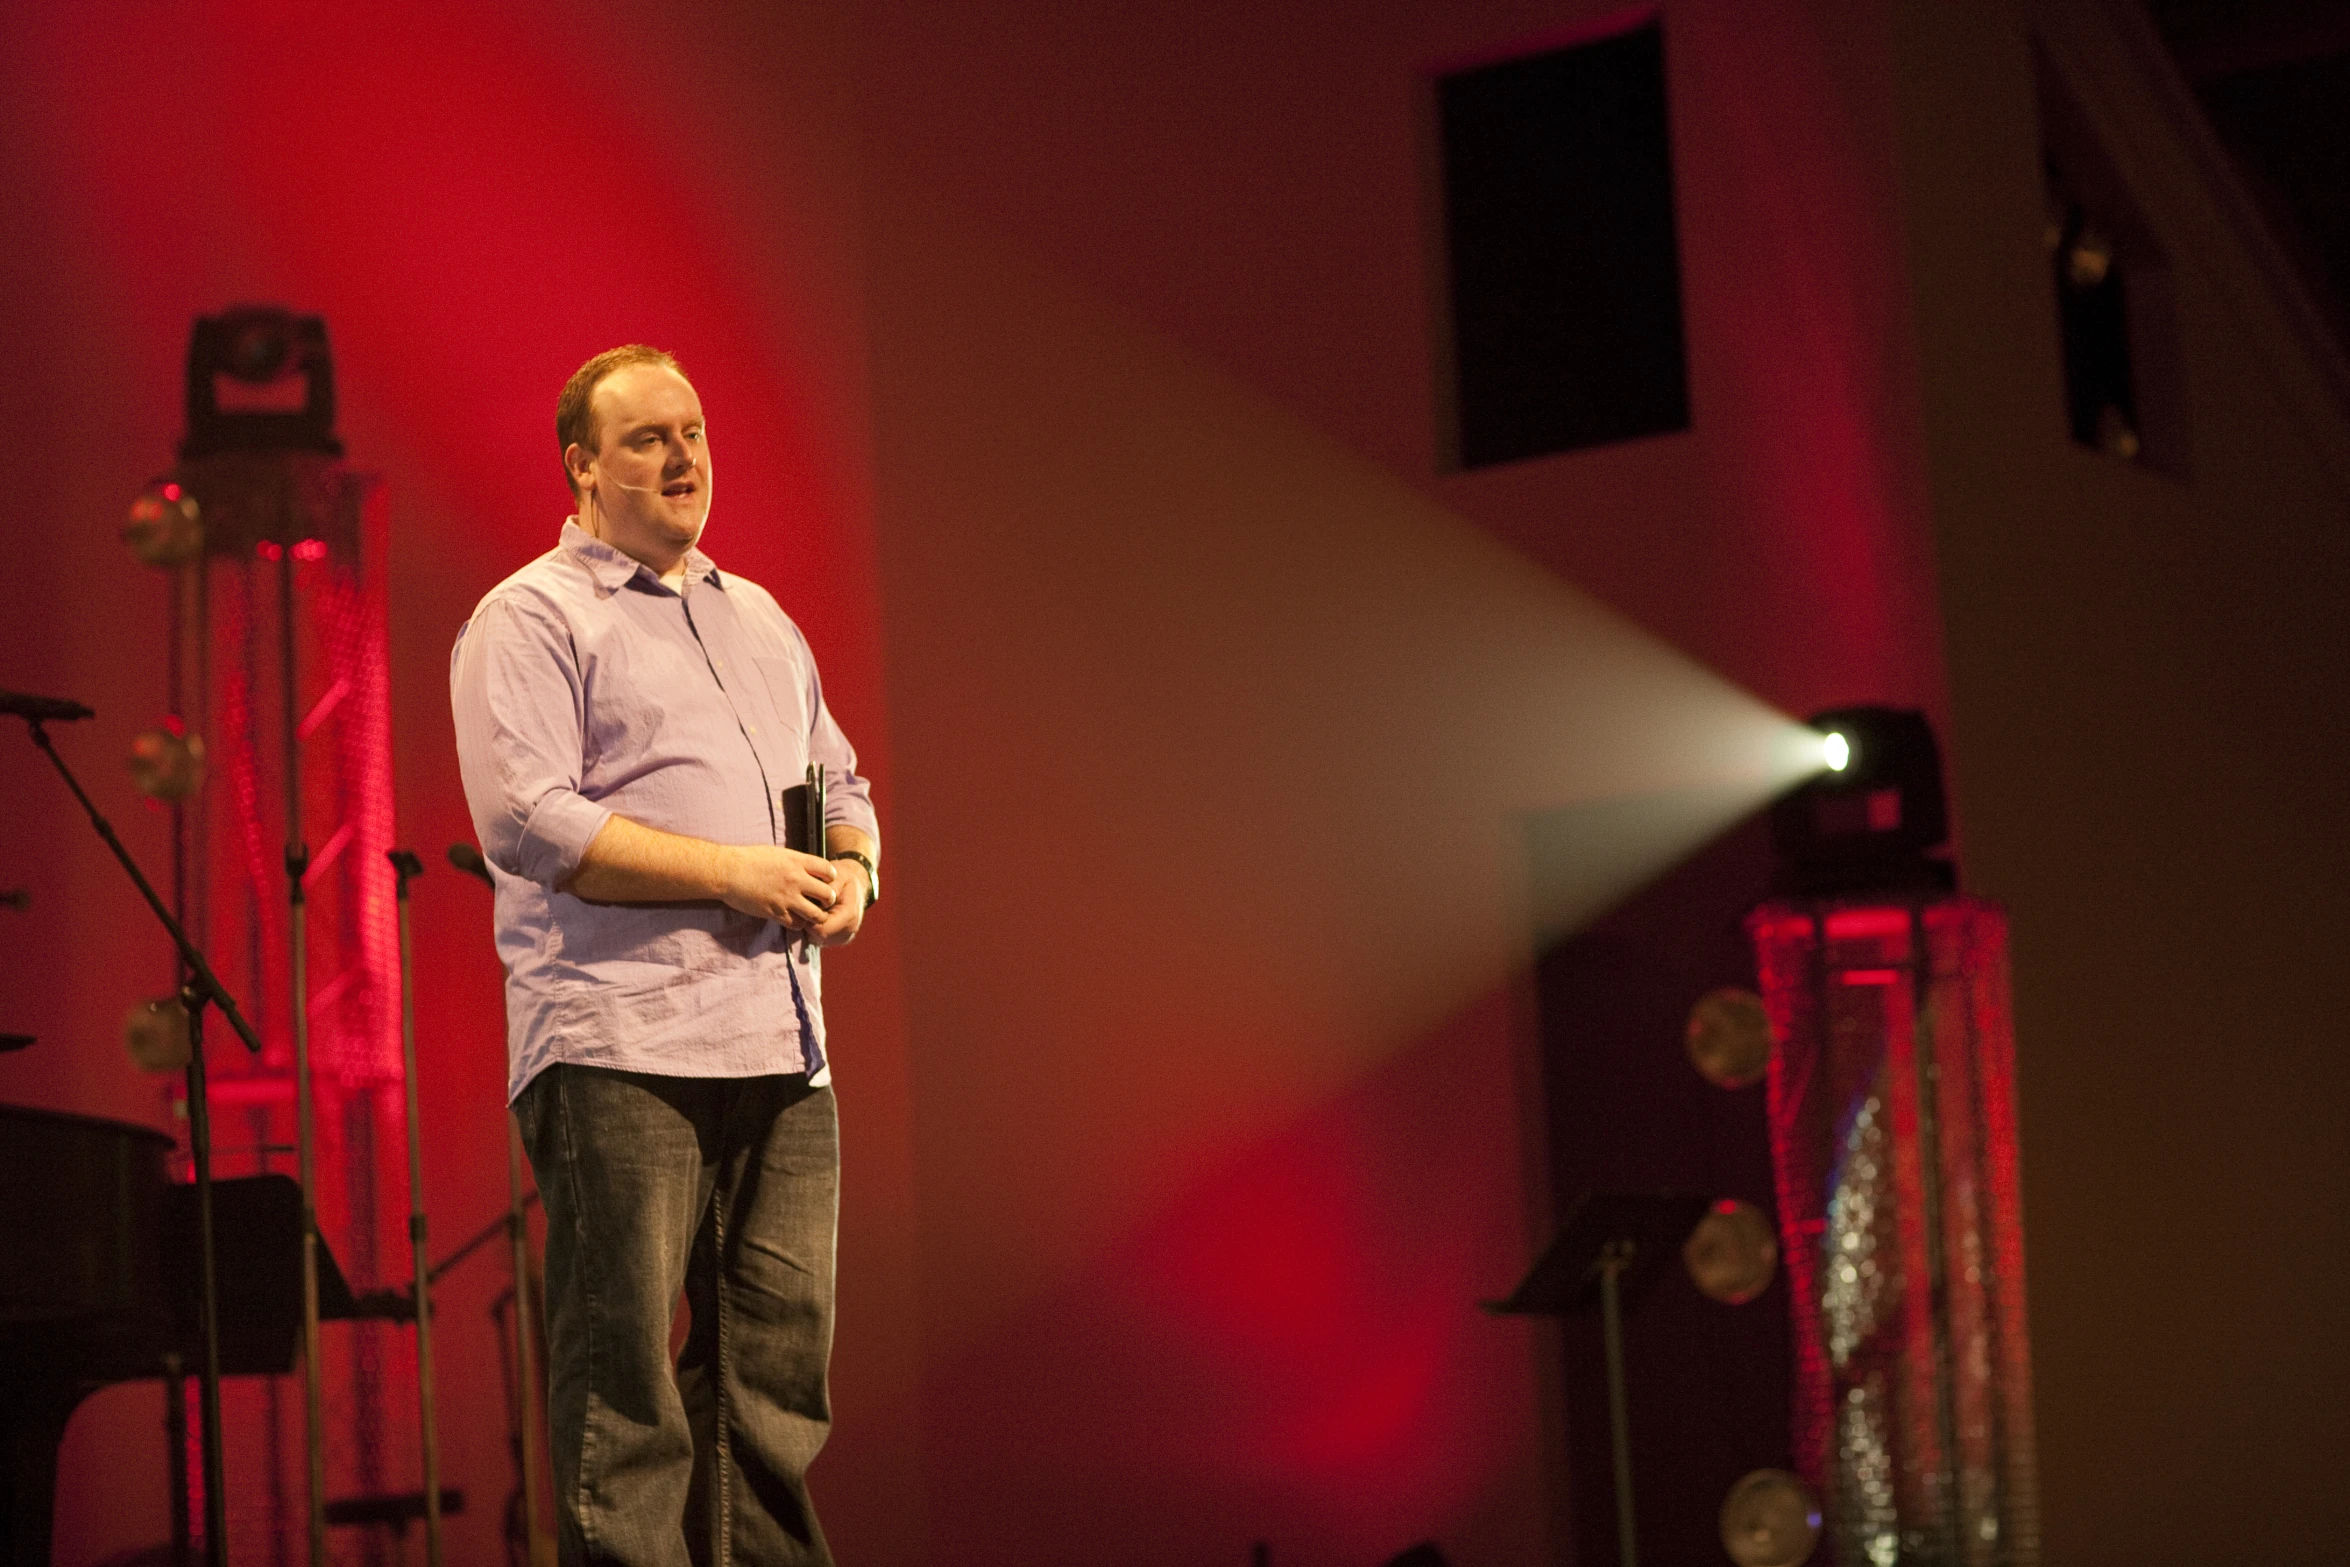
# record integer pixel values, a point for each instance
(629, 718)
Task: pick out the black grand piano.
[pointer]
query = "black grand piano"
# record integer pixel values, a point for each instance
(98, 1284)
(82, 1298)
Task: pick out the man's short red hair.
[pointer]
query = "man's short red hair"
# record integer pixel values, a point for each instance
(575, 410)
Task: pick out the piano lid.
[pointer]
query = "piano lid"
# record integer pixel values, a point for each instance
(81, 1212)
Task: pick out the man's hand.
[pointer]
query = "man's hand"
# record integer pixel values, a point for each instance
(841, 923)
(627, 862)
(783, 884)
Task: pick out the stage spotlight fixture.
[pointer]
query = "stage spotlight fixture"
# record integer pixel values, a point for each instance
(1874, 825)
(156, 1035)
(1770, 1519)
(1729, 1037)
(166, 527)
(166, 762)
(1836, 751)
(1732, 1254)
(260, 379)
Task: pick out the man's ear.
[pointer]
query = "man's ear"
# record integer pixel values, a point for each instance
(579, 464)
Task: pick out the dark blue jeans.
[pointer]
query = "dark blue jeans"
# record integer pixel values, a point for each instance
(726, 1189)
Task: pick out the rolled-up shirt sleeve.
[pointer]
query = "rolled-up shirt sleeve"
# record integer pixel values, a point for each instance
(848, 797)
(515, 691)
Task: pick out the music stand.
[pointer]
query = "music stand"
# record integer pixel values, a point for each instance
(1611, 1244)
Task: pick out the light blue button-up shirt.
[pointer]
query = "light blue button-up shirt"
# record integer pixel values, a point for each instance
(584, 686)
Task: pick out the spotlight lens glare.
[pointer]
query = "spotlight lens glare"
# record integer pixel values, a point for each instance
(1837, 751)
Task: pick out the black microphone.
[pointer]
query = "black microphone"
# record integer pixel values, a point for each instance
(468, 859)
(43, 709)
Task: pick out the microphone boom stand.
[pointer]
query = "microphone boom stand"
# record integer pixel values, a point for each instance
(305, 1113)
(536, 1547)
(201, 989)
(406, 867)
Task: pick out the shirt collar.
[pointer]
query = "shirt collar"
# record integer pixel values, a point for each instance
(614, 570)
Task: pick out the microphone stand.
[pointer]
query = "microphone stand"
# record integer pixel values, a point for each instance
(535, 1546)
(201, 989)
(305, 1113)
(406, 867)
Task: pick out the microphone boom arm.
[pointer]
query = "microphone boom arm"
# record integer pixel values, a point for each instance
(200, 975)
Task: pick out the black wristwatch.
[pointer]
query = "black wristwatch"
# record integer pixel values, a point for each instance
(872, 876)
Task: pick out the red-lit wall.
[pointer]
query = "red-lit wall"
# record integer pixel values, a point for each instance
(1069, 376)
(1218, 715)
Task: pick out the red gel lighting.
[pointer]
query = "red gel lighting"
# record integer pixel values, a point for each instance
(268, 550)
(1894, 1150)
(310, 549)
(1852, 924)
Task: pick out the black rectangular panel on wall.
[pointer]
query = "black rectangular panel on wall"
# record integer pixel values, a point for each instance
(1564, 270)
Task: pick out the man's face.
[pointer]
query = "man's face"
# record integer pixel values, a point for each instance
(646, 489)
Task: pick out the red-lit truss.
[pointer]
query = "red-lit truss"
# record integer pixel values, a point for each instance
(1893, 1139)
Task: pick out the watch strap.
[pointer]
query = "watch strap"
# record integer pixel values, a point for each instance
(872, 876)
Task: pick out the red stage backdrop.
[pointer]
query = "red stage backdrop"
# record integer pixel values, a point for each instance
(1077, 359)
(476, 202)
